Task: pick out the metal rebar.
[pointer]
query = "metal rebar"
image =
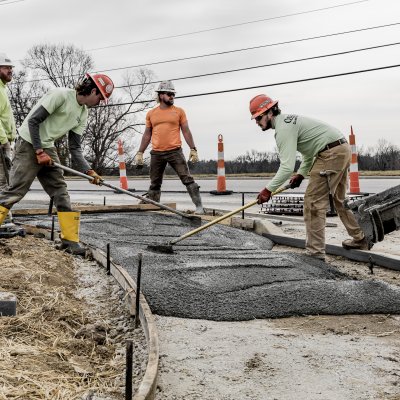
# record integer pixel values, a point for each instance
(104, 201)
(242, 205)
(52, 228)
(129, 370)
(50, 210)
(108, 260)
(137, 300)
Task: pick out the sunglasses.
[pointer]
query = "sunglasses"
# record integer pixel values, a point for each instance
(170, 94)
(258, 119)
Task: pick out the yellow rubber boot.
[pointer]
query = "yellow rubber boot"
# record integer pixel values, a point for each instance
(3, 214)
(69, 224)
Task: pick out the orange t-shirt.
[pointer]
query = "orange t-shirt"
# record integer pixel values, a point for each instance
(165, 127)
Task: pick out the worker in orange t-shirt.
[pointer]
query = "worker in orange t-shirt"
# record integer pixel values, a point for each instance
(164, 124)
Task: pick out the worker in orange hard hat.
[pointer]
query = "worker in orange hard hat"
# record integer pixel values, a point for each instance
(59, 112)
(326, 158)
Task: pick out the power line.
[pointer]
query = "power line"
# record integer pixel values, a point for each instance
(10, 2)
(237, 50)
(270, 65)
(252, 48)
(265, 85)
(226, 26)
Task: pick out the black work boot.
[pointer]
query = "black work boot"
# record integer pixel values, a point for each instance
(194, 192)
(71, 247)
(154, 195)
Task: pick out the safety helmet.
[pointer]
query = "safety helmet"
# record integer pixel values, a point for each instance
(5, 61)
(260, 104)
(166, 86)
(103, 83)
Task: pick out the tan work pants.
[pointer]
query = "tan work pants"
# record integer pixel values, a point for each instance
(335, 162)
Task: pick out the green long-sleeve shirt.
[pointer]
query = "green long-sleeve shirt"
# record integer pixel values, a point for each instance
(295, 133)
(7, 122)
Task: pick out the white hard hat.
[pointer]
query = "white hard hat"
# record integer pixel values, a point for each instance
(5, 61)
(166, 86)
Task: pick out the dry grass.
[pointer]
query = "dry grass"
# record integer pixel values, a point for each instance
(42, 355)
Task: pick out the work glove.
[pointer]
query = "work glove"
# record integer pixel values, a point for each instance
(43, 158)
(295, 181)
(193, 156)
(263, 196)
(138, 160)
(97, 179)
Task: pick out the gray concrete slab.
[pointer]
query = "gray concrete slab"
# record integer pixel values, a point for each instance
(227, 274)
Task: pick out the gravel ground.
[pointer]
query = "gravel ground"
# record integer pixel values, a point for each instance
(351, 357)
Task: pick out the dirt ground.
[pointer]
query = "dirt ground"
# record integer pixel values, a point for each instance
(68, 339)
(352, 357)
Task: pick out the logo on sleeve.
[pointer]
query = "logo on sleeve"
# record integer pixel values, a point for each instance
(291, 118)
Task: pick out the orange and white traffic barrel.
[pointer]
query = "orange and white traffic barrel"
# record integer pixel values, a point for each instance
(354, 175)
(221, 180)
(123, 181)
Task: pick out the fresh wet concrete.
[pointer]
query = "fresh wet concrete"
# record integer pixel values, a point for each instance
(226, 274)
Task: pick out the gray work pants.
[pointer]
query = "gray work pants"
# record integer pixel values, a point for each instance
(158, 163)
(25, 169)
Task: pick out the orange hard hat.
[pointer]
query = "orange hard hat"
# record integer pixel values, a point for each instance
(104, 84)
(260, 104)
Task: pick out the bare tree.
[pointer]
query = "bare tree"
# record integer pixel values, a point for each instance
(62, 65)
(113, 122)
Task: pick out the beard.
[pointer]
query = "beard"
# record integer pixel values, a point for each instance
(267, 126)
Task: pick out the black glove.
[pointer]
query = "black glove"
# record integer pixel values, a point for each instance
(295, 181)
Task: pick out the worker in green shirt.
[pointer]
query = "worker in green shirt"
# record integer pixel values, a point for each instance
(59, 112)
(7, 122)
(326, 157)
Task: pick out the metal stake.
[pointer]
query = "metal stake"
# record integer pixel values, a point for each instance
(139, 273)
(50, 210)
(52, 228)
(242, 205)
(108, 260)
(129, 370)
(104, 201)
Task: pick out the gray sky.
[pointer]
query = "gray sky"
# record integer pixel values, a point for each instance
(369, 102)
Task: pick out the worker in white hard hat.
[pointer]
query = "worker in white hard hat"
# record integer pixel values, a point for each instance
(164, 124)
(7, 123)
(59, 112)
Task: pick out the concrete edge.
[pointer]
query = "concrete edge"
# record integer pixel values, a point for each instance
(148, 386)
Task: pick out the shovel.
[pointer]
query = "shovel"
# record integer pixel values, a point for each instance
(168, 249)
(193, 219)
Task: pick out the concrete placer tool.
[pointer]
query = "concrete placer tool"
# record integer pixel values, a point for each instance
(168, 249)
(194, 220)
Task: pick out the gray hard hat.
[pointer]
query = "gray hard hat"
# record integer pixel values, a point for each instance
(5, 61)
(166, 86)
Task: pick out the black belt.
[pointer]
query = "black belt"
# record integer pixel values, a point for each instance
(333, 144)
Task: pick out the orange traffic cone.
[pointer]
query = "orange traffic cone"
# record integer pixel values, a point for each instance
(221, 181)
(123, 181)
(354, 175)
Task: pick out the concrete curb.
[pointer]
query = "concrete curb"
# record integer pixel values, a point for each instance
(148, 386)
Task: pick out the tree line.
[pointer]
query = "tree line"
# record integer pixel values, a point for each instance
(49, 66)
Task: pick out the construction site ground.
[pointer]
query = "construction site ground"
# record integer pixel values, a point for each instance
(300, 357)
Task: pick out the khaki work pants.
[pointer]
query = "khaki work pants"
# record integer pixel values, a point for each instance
(25, 169)
(336, 162)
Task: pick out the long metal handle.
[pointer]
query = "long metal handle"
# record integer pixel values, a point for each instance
(103, 183)
(225, 216)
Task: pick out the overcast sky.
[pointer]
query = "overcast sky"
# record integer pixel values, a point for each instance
(369, 101)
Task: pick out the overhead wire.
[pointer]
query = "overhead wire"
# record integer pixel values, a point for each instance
(227, 26)
(264, 85)
(232, 51)
(269, 65)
